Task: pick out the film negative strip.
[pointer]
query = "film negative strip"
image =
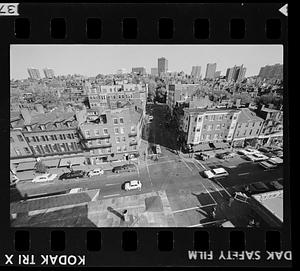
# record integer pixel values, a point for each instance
(154, 136)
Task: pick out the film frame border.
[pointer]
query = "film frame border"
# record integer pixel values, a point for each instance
(219, 15)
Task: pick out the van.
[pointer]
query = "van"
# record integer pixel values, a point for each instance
(124, 168)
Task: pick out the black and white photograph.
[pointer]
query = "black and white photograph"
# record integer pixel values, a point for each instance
(146, 136)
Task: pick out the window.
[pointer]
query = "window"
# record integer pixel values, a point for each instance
(97, 133)
(124, 138)
(61, 137)
(195, 119)
(194, 129)
(206, 117)
(134, 147)
(202, 137)
(212, 117)
(253, 123)
(223, 125)
(234, 117)
(118, 139)
(20, 138)
(47, 138)
(237, 134)
(116, 130)
(27, 150)
(118, 149)
(240, 125)
(122, 130)
(37, 139)
(218, 127)
(64, 136)
(99, 141)
(204, 127)
(257, 131)
(250, 132)
(121, 120)
(199, 119)
(105, 131)
(18, 152)
(198, 130)
(106, 140)
(69, 136)
(115, 121)
(43, 138)
(87, 133)
(246, 125)
(132, 129)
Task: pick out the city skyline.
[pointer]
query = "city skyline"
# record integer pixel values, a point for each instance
(107, 59)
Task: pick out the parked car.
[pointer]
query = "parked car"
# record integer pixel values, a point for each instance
(150, 117)
(124, 168)
(132, 185)
(76, 190)
(267, 165)
(258, 187)
(275, 161)
(276, 185)
(44, 178)
(158, 149)
(96, 172)
(225, 155)
(278, 153)
(255, 157)
(204, 156)
(72, 175)
(248, 151)
(216, 173)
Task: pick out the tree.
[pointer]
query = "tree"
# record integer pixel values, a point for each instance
(40, 167)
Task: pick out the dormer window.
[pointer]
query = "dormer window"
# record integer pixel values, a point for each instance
(28, 128)
(42, 127)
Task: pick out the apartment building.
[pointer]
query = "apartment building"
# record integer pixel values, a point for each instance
(272, 128)
(178, 93)
(248, 128)
(112, 135)
(19, 147)
(53, 133)
(202, 126)
(109, 96)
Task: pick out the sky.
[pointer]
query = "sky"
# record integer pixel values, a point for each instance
(90, 60)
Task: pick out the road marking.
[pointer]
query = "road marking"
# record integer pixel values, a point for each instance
(185, 163)
(241, 174)
(197, 166)
(96, 196)
(224, 189)
(209, 193)
(111, 195)
(200, 164)
(217, 189)
(183, 210)
(206, 223)
(169, 161)
(109, 184)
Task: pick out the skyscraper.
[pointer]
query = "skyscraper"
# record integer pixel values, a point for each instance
(34, 73)
(236, 73)
(229, 74)
(162, 65)
(271, 71)
(49, 73)
(210, 70)
(196, 71)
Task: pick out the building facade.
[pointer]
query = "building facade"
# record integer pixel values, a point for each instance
(208, 125)
(113, 135)
(210, 70)
(196, 72)
(49, 73)
(271, 72)
(248, 128)
(154, 71)
(139, 70)
(18, 145)
(34, 73)
(177, 93)
(162, 65)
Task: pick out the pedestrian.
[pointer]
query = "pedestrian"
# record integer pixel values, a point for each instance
(213, 214)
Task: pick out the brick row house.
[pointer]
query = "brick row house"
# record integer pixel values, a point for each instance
(112, 135)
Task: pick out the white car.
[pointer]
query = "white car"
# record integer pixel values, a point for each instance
(257, 157)
(158, 149)
(267, 165)
(275, 160)
(150, 117)
(248, 151)
(216, 173)
(132, 185)
(96, 172)
(44, 178)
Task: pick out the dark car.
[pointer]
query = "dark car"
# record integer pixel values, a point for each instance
(72, 175)
(275, 185)
(124, 168)
(258, 187)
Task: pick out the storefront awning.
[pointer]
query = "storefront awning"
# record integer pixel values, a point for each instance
(73, 160)
(26, 166)
(51, 163)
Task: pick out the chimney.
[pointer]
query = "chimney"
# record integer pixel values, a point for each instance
(26, 115)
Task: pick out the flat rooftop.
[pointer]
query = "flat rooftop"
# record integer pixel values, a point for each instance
(273, 201)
